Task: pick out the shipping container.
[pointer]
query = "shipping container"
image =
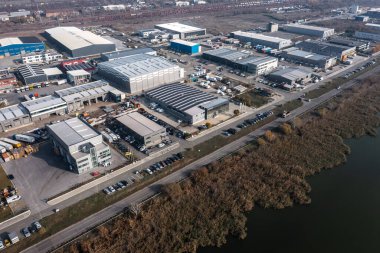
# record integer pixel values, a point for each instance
(15, 144)
(24, 138)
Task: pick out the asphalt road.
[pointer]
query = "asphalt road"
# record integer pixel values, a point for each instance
(105, 214)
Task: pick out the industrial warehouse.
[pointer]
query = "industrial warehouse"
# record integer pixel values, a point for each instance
(78, 43)
(80, 145)
(260, 39)
(20, 45)
(31, 74)
(188, 104)
(79, 96)
(184, 31)
(319, 47)
(13, 116)
(317, 31)
(309, 59)
(127, 52)
(62, 102)
(140, 72)
(291, 76)
(144, 130)
(241, 60)
(186, 47)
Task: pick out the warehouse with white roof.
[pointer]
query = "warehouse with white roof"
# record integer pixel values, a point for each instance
(184, 31)
(80, 145)
(317, 31)
(144, 130)
(78, 43)
(44, 107)
(260, 39)
(140, 72)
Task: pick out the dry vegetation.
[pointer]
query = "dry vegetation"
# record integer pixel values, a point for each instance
(272, 173)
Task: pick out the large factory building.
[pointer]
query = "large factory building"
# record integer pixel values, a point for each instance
(260, 39)
(78, 43)
(140, 72)
(317, 31)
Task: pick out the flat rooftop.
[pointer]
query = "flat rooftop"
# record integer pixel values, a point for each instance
(178, 27)
(309, 27)
(227, 53)
(78, 72)
(19, 40)
(184, 42)
(292, 73)
(75, 38)
(139, 124)
(259, 36)
(73, 131)
(97, 88)
(137, 65)
(127, 52)
(43, 103)
(52, 71)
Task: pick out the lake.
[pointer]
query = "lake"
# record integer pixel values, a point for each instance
(344, 215)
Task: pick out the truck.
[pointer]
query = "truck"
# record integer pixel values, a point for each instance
(2, 149)
(13, 237)
(15, 144)
(24, 138)
(7, 146)
(285, 114)
(107, 137)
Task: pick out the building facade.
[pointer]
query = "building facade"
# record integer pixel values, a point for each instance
(32, 74)
(48, 56)
(186, 47)
(78, 77)
(80, 145)
(328, 49)
(20, 45)
(144, 130)
(184, 31)
(260, 39)
(140, 72)
(309, 59)
(316, 31)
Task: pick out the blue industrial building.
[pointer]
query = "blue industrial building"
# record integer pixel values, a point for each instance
(185, 47)
(20, 45)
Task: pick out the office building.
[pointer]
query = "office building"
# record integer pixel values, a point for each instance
(316, 31)
(186, 103)
(144, 130)
(7, 80)
(184, 31)
(80, 145)
(20, 45)
(78, 43)
(47, 56)
(78, 77)
(360, 45)
(140, 72)
(260, 39)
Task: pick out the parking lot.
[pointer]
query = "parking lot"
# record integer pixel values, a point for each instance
(44, 174)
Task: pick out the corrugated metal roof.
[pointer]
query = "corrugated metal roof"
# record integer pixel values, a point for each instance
(52, 71)
(42, 103)
(309, 27)
(10, 41)
(260, 36)
(74, 38)
(73, 131)
(77, 72)
(139, 124)
(12, 112)
(184, 42)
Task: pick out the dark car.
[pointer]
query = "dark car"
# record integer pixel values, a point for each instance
(11, 177)
(232, 131)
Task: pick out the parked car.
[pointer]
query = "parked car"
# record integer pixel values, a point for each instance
(161, 145)
(26, 232)
(1, 245)
(37, 225)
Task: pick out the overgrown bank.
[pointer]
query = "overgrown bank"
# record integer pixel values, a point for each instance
(203, 210)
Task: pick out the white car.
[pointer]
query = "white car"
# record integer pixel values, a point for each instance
(1, 245)
(161, 145)
(37, 225)
(111, 189)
